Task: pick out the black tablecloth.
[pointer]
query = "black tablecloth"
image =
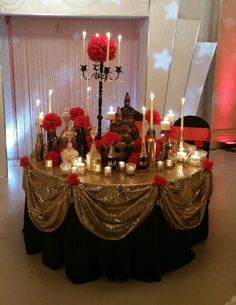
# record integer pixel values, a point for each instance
(145, 254)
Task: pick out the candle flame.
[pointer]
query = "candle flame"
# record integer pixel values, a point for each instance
(108, 35)
(119, 38)
(37, 102)
(41, 115)
(88, 89)
(97, 34)
(50, 92)
(183, 100)
(170, 111)
(111, 108)
(152, 97)
(84, 34)
(144, 109)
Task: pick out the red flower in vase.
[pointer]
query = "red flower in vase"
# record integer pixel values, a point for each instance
(156, 117)
(97, 48)
(75, 112)
(73, 179)
(24, 161)
(134, 158)
(208, 164)
(110, 138)
(51, 121)
(54, 156)
(159, 181)
(82, 121)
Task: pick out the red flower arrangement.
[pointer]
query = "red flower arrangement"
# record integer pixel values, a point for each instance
(156, 117)
(208, 164)
(73, 179)
(75, 112)
(54, 156)
(97, 48)
(199, 144)
(82, 121)
(110, 138)
(51, 121)
(134, 158)
(24, 161)
(159, 181)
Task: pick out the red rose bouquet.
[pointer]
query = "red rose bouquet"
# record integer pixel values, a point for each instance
(208, 164)
(82, 121)
(75, 112)
(97, 48)
(159, 181)
(51, 121)
(110, 138)
(156, 117)
(73, 179)
(24, 161)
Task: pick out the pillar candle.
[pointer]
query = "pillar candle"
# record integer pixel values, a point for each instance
(108, 48)
(50, 101)
(143, 126)
(151, 111)
(84, 48)
(119, 50)
(182, 118)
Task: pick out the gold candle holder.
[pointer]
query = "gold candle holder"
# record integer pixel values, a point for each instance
(151, 150)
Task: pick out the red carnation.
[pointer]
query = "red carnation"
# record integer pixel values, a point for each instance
(159, 181)
(156, 117)
(97, 48)
(73, 179)
(82, 121)
(54, 156)
(208, 164)
(75, 112)
(51, 121)
(110, 138)
(24, 161)
(134, 158)
(199, 144)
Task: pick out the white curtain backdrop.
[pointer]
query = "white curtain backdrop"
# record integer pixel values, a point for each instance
(45, 53)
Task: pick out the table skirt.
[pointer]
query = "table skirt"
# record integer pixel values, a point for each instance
(145, 254)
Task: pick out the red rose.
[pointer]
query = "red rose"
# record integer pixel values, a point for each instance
(156, 117)
(54, 156)
(97, 48)
(208, 164)
(24, 161)
(110, 138)
(75, 112)
(82, 121)
(134, 158)
(159, 181)
(51, 121)
(73, 179)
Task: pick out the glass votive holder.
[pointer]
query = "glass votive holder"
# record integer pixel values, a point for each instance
(107, 171)
(97, 168)
(48, 164)
(160, 166)
(181, 155)
(122, 166)
(74, 169)
(80, 168)
(130, 168)
(169, 163)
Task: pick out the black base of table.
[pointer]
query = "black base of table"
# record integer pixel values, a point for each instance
(145, 254)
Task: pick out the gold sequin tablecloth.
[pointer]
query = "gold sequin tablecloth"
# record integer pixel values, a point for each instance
(113, 207)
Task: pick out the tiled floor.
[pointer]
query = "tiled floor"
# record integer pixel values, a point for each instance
(210, 279)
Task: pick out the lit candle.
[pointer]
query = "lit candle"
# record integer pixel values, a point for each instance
(143, 126)
(88, 100)
(130, 168)
(181, 155)
(169, 163)
(48, 164)
(107, 171)
(160, 166)
(40, 119)
(108, 48)
(121, 166)
(170, 116)
(97, 35)
(195, 159)
(84, 48)
(50, 100)
(111, 114)
(182, 119)
(151, 111)
(119, 50)
(165, 125)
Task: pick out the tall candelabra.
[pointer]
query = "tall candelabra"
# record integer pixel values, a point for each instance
(101, 73)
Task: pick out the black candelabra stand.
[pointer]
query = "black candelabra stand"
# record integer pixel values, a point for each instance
(101, 73)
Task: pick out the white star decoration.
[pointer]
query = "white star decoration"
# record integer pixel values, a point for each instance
(162, 60)
(171, 10)
(117, 2)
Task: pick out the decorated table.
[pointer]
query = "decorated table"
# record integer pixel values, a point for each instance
(124, 226)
